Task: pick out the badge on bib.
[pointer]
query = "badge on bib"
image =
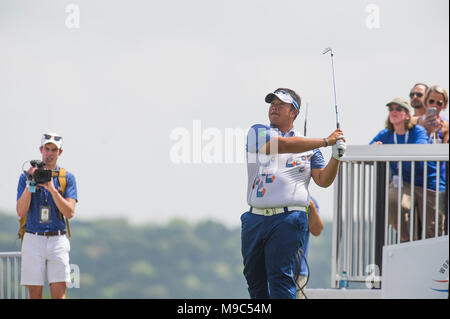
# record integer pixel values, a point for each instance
(44, 214)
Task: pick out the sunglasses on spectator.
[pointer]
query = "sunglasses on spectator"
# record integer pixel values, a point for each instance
(438, 103)
(411, 95)
(49, 137)
(397, 108)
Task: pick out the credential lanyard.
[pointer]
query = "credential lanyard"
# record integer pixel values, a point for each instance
(395, 177)
(406, 137)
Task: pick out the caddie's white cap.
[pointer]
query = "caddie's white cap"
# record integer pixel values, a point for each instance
(53, 138)
(283, 96)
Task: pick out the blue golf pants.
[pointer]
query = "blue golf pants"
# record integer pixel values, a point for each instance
(269, 248)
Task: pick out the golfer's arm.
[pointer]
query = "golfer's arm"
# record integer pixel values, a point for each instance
(295, 144)
(314, 221)
(23, 203)
(324, 177)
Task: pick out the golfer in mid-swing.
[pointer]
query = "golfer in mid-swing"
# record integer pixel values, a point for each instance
(280, 164)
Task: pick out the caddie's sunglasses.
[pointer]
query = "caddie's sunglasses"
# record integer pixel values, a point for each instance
(411, 95)
(49, 137)
(397, 108)
(431, 102)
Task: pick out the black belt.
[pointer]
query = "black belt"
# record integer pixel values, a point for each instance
(49, 233)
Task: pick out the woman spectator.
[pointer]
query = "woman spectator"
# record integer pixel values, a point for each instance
(400, 129)
(436, 125)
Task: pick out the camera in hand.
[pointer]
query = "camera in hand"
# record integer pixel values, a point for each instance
(41, 175)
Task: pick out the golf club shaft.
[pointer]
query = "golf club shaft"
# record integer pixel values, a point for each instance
(335, 99)
(334, 88)
(306, 119)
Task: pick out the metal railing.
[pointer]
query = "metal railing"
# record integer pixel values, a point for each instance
(9, 276)
(361, 206)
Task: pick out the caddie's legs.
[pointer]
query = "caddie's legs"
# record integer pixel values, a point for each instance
(287, 236)
(252, 248)
(58, 290)
(35, 292)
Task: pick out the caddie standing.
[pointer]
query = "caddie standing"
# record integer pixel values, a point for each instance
(280, 164)
(45, 247)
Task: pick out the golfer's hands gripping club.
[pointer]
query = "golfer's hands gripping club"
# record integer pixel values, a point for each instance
(334, 137)
(338, 149)
(337, 140)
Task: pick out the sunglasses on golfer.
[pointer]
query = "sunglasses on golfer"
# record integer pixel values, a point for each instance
(438, 103)
(418, 94)
(49, 137)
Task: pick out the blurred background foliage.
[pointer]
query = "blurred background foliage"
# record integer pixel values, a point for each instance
(175, 260)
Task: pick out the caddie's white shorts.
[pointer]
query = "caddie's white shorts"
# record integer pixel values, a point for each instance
(41, 253)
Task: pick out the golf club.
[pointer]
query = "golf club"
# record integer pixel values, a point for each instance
(326, 50)
(306, 118)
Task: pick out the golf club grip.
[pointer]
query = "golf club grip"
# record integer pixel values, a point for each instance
(339, 151)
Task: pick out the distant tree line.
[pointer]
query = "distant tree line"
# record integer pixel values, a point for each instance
(175, 260)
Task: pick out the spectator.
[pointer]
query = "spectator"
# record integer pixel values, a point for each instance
(401, 130)
(438, 131)
(436, 125)
(417, 96)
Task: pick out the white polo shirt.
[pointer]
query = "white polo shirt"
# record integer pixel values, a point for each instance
(278, 180)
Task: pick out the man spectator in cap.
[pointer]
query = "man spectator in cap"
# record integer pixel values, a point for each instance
(280, 164)
(45, 247)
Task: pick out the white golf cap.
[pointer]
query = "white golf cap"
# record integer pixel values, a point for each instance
(283, 96)
(53, 138)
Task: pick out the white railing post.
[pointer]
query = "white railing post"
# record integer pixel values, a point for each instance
(373, 213)
(424, 206)
(337, 228)
(387, 239)
(399, 201)
(348, 266)
(9, 276)
(2, 283)
(411, 212)
(436, 211)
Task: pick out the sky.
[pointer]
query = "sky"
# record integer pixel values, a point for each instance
(153, 98)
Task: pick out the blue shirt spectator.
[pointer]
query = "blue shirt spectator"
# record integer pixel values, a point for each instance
(411, 134)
